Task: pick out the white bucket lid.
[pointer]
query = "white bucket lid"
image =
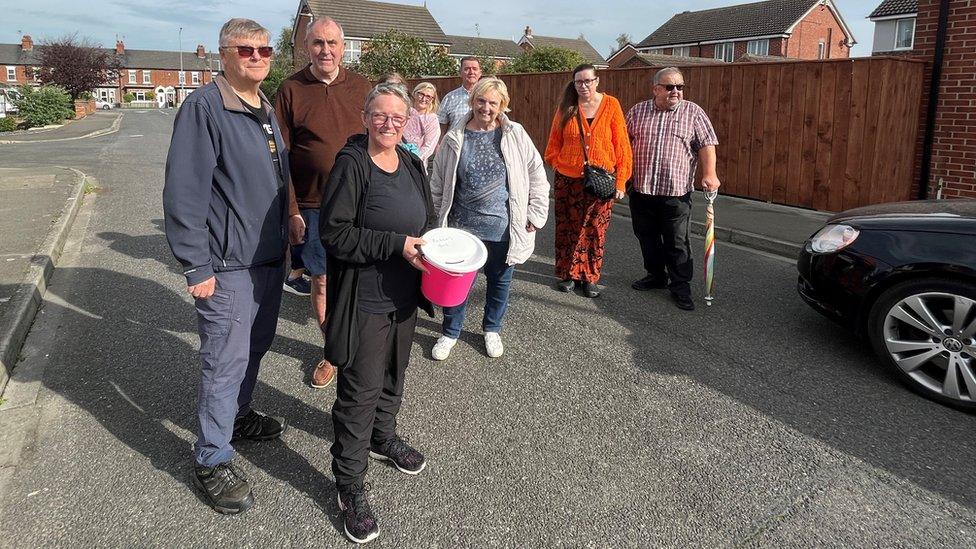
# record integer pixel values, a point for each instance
(454, 250)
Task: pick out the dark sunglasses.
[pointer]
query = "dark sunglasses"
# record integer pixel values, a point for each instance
(672, 87)
(247, 51)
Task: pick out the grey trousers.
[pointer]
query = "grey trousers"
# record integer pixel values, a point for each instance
(237, 325)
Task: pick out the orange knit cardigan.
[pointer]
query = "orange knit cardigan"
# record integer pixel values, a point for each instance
(609, 146)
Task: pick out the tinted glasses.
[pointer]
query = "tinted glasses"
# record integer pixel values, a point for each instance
(672, 87)
(248, 51)
(379, 119)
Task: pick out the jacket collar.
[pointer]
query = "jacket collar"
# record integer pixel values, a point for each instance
(230, 99)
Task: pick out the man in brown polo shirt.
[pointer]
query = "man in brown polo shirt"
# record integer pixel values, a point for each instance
(318, 108)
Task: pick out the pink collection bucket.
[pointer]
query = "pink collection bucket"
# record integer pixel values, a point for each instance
(453, 258)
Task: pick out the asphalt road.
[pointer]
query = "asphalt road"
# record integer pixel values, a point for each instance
(615, 422)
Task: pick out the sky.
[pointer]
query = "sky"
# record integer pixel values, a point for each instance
(155, 25)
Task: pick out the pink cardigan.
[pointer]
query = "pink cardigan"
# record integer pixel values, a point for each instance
(424, 131)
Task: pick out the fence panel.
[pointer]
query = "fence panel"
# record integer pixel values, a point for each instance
(829, 135)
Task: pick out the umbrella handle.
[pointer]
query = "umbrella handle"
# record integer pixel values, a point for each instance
(710, 196)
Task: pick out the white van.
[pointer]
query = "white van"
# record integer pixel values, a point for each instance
(8, 98)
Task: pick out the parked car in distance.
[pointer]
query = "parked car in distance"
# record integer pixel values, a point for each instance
(103, 105)
(903, 275)
(8, 98)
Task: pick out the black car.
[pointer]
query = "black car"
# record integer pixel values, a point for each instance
(903, 275)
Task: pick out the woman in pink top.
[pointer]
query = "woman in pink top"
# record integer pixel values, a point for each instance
(422, 128)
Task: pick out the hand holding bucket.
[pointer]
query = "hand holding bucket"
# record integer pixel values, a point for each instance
(411, 252)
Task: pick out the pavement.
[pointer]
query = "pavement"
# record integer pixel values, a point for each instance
(97, 124)
(36, 213)
(613, 422)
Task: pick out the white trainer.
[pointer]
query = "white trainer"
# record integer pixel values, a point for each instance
(442, 349)
(493, 344)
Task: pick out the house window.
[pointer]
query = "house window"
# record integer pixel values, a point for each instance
(354, 49)
(132, 77)
(195, 78)
(140, 96)
(821, 50)
(724, 51)
(182, 77)
(683, 51)
(758, 47)
(11, 74)
(905, 34)
(147, 77)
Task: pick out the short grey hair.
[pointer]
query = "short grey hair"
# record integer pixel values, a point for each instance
(397, 90)
(666, 71)
(325, 21)
(240, 26)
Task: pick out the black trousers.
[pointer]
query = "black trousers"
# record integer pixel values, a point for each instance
(661, 226)
(369, 391)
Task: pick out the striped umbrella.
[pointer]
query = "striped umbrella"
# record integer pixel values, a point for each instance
(709, 245)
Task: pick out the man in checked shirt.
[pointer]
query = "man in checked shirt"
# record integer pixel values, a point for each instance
(669, 137)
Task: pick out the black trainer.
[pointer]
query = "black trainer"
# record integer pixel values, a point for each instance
(404, 457)
(358, 521)
(225, 487)
(683, 302)
(566, 285)
(591, 290)
(649, 282)
(258, 427)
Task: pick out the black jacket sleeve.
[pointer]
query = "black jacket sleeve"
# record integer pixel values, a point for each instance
(338, 218)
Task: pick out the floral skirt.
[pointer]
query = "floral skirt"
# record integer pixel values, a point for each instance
(581, 229)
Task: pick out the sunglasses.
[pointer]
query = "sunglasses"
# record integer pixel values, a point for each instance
(248, 51)
(672, 87)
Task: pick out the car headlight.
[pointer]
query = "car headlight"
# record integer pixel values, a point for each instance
(832, 238)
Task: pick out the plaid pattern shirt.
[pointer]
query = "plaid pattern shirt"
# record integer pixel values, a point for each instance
(666, 144)
(454, 106)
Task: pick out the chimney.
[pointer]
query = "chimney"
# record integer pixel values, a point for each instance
(26, 43)
(119, 47)
(201, 53)
(528, 31)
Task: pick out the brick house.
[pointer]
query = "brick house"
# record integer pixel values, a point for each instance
(946, 152)
(142, 71)
(894, 27)
(797, 29)
(580, 45)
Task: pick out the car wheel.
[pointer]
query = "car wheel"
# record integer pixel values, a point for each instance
(105, 107)
(924, 331)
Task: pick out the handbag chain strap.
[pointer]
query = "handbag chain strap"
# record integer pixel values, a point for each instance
(579, 122)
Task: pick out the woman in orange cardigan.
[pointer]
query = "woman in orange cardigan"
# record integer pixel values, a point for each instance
(582, 219)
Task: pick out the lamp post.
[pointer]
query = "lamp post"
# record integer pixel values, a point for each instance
(181, 76)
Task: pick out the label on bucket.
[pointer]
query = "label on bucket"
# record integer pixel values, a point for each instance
(454, 250)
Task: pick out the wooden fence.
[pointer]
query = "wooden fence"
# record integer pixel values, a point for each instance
(827, 135)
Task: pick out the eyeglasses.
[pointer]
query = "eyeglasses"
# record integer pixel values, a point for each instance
(424, 96)
(584, 83)
(672, 87)
(379, 119)
(248, 51)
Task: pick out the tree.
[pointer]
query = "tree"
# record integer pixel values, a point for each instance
(486, 56)
(397, 51)
(622, 40)
(281, 64)
(76, 65)
(545, 59)
(44, 105)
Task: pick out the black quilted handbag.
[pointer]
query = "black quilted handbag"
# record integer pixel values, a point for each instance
(597, 181)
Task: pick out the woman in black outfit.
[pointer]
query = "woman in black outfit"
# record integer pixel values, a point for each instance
(376, 205)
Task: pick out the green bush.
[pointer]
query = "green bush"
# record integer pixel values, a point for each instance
(44, 105)
(86, 96)
(129, 97)
(8, 124)
(150, 96)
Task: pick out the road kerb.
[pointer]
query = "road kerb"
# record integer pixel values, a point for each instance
(25, 304)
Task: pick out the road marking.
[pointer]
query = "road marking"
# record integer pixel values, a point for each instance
(136, 135)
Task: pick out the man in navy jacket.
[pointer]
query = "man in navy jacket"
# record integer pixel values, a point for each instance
(226, 209)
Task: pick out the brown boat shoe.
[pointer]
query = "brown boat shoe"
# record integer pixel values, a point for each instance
(324, 375)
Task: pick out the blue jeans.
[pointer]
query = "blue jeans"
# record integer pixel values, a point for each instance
(499, 275)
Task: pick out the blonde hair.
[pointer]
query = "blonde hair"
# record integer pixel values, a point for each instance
(427, 86)
(490, 84)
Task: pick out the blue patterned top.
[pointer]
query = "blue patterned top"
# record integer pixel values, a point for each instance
(480, 203)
